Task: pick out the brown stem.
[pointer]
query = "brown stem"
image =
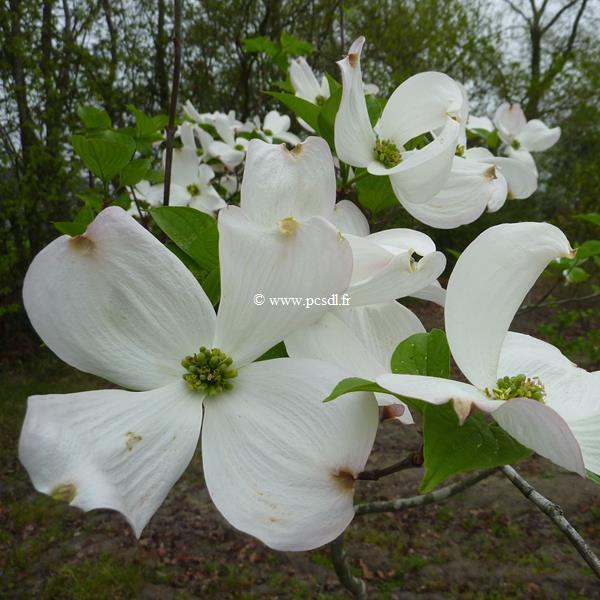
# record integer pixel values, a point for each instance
(173, 107)
(414, 459)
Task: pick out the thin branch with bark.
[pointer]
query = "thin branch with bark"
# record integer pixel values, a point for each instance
(413, 460)
(556, 514)
(355, 585)
(436, 496)
(173, 106)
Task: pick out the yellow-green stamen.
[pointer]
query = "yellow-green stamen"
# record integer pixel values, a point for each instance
(193, 189)
(519, 386)
(387, 153)
(209, 371)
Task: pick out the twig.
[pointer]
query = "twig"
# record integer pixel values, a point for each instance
(173, 105)
(556, 514)
(355, 585)
(414, 459)
(557, 302)
(137, 205)
(436, 496)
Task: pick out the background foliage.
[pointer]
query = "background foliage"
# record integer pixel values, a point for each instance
(58, 55)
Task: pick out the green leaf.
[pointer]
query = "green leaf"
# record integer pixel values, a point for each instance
(93, 199)
(449, 448)
(193, 231)
(79, 224)
(327, 116)
(333, 83)
(354, 384)
(593, 477)
(147, 127)
(375, 193)
(105, 153)
(423, 354)
(260, 43)
(577, 275)
(307, 111)
(94, 118)
(293, 46)
(587, 249)
(374, 108)
(123, 200)
(135, 171)
(278, 351)
(211, 285)
(590, 218)
(70, 227)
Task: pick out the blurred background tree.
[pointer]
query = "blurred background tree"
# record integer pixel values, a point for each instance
(56, 55)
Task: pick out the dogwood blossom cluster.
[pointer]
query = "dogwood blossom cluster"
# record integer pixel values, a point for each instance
(208, 162)
(278, 462)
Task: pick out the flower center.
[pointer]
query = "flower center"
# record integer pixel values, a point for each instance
(460, 150)
(387, 153)
(209, 371)
(288, 226)
(518, 386)
(320, 100)
(193, 189)
(516, 144)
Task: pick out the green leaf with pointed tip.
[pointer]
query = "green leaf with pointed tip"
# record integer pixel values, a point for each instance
(147, 126)
(260, 43)
(449, 448)
(123, 200)
(593, 477)
(79, 224)
(193, 231)
(590, 218)
(353, 384)
(587, 249)
(423, 354)
(277, 351)
(375, 193)
(211, 285)
(304, 109)
(94, 118)
(105, 154)
(327, 117)
(92, 198)
(374, 108)
(135, 171)
(293, 46)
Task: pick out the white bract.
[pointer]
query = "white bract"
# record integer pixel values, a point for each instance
(522, 136)
(276, 126)
(305, 83)
(430, 104)
(278, 463)
(478, 181)
(190, 185)
(488, 284)
(300, 184)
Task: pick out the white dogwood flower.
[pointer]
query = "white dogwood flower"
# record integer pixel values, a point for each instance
(305, 83)
(430, 104)
(537, 395)
(478, 181)
(279, 183)
(190, 180)
(276, 127)
(522, 137)
(278, 463)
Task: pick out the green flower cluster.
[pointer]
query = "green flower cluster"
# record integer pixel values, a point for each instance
(387, 153)
(518, 386)
(209, 371)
